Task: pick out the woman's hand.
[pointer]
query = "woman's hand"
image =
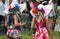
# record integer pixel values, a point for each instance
(32, 24)
(23, 23)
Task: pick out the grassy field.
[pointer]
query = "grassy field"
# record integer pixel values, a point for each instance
(25, 35)
(29, 35)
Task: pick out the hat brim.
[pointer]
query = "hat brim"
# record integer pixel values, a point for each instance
(32, 13)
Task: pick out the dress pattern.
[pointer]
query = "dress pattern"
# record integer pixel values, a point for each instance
(41, 31)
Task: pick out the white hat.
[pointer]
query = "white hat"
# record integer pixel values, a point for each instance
(40, 6)
(44, 2)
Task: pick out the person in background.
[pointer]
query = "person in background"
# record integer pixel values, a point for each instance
(22, 1)
(57, 25)
(7, 2)
(34, 3)
(29, 6)
(38, 1)
(52, 15)
(2, 5)
(2, 15)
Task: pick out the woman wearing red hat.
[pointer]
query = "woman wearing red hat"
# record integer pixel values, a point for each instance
(40, 22)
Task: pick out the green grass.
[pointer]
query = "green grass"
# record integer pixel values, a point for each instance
(56, 36)
(24, 37)
(29, 35)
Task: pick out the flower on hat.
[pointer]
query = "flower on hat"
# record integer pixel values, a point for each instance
(34, 12)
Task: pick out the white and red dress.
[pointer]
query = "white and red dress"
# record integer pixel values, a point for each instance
(41, 31)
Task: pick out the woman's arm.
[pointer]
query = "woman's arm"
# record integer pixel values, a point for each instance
(6, 20)
(16, 23)
(32, 24)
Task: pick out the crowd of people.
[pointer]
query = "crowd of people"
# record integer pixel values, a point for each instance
(43, 17)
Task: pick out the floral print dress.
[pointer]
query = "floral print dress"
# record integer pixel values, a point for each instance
(41, 31)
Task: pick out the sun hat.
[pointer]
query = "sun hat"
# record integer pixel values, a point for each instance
(34, 12)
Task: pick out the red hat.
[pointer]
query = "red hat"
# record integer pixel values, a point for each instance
(34, 12)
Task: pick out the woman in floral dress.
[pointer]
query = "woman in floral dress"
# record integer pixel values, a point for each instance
(40, 22)
(13, 22)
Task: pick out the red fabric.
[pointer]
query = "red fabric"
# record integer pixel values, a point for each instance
(35, 5)
(41, 31)
(43, 11)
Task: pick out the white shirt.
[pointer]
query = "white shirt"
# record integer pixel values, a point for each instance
(2, 8)
(53, 13)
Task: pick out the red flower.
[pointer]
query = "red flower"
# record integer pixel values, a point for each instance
(35, 11)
